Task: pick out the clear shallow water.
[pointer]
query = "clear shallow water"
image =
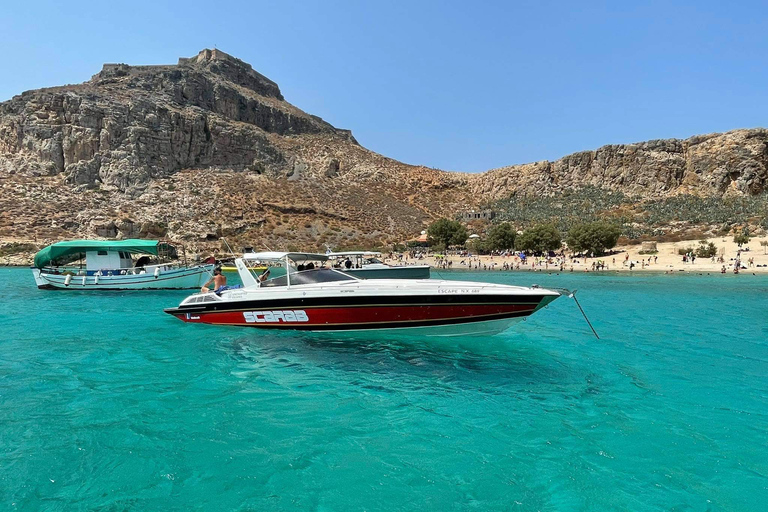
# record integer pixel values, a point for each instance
(106, 402)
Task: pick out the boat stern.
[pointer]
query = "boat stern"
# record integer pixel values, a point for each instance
(40, 281)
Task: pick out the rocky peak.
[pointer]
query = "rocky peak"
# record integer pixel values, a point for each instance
(233, 70)
(131, 124)
(213, 62)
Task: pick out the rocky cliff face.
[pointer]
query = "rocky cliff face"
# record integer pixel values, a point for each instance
(209, 148)
(733, 163)
(129, 125)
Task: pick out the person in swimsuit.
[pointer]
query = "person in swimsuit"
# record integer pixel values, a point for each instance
(219, 281)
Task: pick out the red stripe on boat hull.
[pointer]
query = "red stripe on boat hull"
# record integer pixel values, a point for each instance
(374, 317)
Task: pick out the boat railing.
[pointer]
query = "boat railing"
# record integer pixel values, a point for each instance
(144, 269)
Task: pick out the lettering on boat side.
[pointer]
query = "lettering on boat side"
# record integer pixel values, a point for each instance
(298, 315)
(458, 290)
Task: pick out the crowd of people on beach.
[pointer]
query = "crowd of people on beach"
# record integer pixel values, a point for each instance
(558, 261)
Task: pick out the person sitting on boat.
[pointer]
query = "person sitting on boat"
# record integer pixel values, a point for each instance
(219, 281)
(141, 263)
(263, 276)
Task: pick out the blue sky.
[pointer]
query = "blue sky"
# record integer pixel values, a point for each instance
(464, 86)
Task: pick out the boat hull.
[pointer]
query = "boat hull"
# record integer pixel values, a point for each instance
(442, 315)
(174, 279)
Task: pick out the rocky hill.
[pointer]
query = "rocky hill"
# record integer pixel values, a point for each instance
(733, 163)
(204, 149)
(209, 148)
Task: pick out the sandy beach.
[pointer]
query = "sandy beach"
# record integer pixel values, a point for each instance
(666, 259)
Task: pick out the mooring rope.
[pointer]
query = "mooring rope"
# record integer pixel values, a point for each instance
(572, 295)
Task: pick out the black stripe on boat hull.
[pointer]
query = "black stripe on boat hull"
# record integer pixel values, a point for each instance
(356, 301)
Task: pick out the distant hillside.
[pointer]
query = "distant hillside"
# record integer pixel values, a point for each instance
(209, 148)
(733, 163)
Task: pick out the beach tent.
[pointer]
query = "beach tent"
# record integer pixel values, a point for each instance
(420, 241)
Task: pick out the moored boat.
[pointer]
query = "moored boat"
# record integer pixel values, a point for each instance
(228, 264)
(325, 299)
(109, 265)
(367, 265)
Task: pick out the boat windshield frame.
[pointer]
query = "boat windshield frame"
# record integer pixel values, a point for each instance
(320, 275)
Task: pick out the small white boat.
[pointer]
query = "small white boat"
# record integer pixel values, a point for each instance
(367, 265)
(228, 264)
(328, 300)
(109, 265)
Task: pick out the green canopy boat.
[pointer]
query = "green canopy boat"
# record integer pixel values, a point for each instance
(73, 250)
(109, 265)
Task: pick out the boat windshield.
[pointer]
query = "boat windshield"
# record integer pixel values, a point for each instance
(314, 276)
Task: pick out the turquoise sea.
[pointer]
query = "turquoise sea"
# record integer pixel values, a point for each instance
(106, 403)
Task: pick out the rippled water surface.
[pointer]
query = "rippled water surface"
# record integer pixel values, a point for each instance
(107, 403)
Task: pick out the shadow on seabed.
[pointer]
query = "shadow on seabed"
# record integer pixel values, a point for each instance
(488, 364)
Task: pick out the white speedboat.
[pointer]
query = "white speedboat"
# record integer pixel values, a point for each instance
(325, 299)
(109, 265)
(367, 265)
